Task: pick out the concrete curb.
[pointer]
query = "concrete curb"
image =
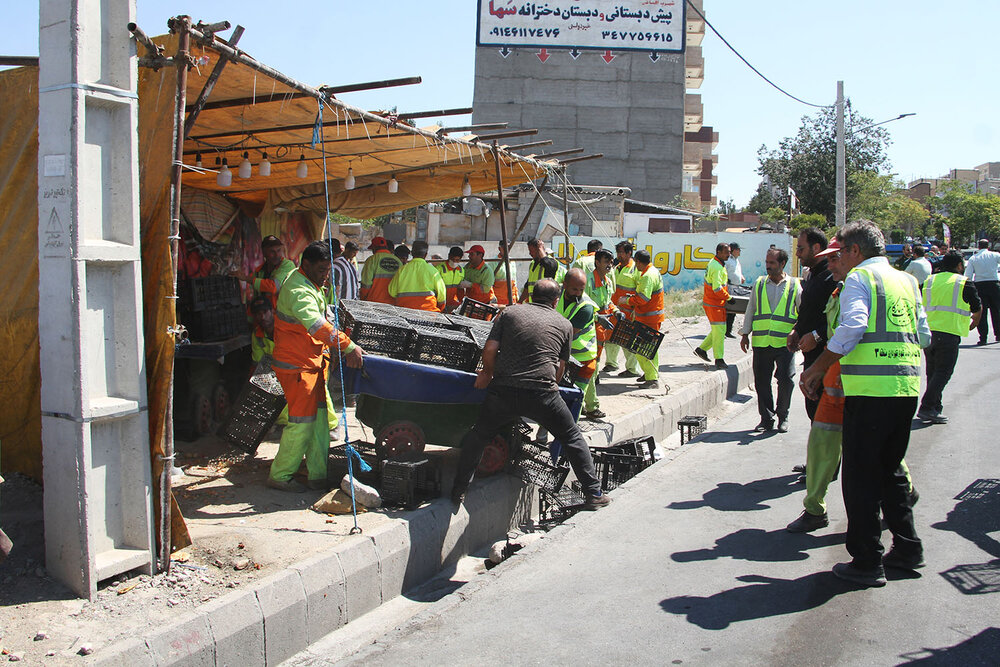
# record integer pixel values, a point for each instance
(286, 612)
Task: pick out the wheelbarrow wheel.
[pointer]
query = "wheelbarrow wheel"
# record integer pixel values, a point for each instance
(401, 438)
(495, 456)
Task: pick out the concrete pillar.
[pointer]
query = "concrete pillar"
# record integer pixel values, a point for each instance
(95, 441)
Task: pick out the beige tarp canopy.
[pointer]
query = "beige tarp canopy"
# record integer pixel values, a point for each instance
(251, 112)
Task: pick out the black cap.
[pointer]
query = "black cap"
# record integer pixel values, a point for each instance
(270, 241)
(734, 246)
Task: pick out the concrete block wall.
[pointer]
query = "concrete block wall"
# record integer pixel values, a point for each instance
(631, 110)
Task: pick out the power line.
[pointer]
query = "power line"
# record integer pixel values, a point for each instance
(747, 62)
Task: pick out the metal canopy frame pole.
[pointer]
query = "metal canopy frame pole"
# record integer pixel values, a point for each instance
(199, 104)
(503, 221)
(524, 220)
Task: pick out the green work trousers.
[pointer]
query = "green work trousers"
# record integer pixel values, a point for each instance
(822, 459)
(715, 339)
(309, 439)
(330, 411)
(650, 367)
(611, 359)
(590, 402)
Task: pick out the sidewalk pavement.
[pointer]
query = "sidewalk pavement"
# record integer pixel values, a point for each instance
(691, 565)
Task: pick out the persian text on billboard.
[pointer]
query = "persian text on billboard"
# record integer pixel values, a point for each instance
(646, 25)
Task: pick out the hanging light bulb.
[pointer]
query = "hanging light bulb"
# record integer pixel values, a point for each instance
(303, 169)
(349, 181)
(265, 166)
(225, 177)
(197, 160)
(393, 185)
(245, 166)
(466, 187)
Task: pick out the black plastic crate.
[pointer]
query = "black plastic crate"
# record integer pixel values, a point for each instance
(256, 409)
(218, 324)
(692, 426)
(210, 292)
(478, 329)
(445, 348)
(425, 318)
(533, 464)
(406, 483)
(477, 310)
(636, 337)
(391, 337)
(614, 469)
(643, 447)
(336, 464)
(560, 505)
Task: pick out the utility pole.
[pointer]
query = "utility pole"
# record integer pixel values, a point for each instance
(841, 160)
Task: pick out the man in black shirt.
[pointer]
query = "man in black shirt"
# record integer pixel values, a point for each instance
(526, 352)
(809, 333)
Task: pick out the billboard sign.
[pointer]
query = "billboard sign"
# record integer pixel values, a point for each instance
(643, 25)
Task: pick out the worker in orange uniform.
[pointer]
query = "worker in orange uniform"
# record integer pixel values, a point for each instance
(479, 278)
(453, 275)
(624, 278)
(417, 284)
(713, 301)
(268, 277)
(301, 336)
(500, 278)
(378, 271)
(646, 306)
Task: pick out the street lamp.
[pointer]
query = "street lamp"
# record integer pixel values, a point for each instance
(841, 214)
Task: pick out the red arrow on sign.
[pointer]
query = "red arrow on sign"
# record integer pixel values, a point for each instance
(543, 55)
(608, 57)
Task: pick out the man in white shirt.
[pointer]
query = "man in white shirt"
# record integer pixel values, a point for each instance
(735, 273)
(920, 267)
(982, 269)
(771, 313)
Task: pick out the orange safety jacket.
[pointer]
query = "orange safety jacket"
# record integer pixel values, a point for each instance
(500, 286)
(830, 411)
(301, 331)
(714, 298)
(476, 291)
(376, 275)
(647, 302)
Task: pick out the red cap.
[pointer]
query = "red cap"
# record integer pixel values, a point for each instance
(378, 243)
(478, 248)
(830, 249)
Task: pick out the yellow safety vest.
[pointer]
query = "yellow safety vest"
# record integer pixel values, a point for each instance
(771, 328)
(946, 310)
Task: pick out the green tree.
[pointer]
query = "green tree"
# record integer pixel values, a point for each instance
(774, 214)
(967, 213)
(804, 220)
(727, 207)
(762, 200)
(807, 161)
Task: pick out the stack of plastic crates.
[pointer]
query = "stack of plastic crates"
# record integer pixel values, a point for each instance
(211, 308)
(533, 463)
(618, 463)
(336, 466)
(407, 483)
(381, 333)
(477, 310)
(425, 318)
(257, 407)
(636, 337)
(445, 348)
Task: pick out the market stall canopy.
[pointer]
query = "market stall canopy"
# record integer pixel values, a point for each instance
(250, 113)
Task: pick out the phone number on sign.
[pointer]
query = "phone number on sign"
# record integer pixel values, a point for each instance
(637, 36)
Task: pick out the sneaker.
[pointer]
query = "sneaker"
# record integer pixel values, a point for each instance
(729, 335)
(870, 578)
(289, 485)
(701, 354)
(595, 414)
(719, 363)
(981, 342)
(318, 484)
(596, 502)
(799, 468)
(924, 415)
(782, 426)
(899, 561)
(806, 523)
(763, 426)
(628, 374)
(938, 418)
(609, 369)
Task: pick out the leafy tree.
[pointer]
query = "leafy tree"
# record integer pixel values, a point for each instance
(762, 200)
(727, 207)
(774, 214)
(967, 213)
(804, 220)
(807, 161)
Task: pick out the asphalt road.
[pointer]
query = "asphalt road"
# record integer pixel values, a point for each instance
(692, 565)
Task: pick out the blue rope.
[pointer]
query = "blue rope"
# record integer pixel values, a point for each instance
(351, 452)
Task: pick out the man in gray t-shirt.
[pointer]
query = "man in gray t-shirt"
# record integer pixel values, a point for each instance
(526, 351)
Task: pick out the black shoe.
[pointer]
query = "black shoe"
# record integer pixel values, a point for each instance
(763, 426)
(782, 426)
(595, 414)
(899, 561)
(701, 354)
(719, 363)
(799, 468)
(628, 374)
(806, 523)
(596, 502)
(981, 342)
(729, 335)
(870, 578)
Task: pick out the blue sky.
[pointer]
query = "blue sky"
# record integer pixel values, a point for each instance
(933, 58)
